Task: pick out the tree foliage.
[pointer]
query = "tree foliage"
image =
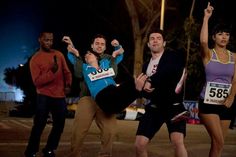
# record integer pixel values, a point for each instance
(20, 78)
(145, 14)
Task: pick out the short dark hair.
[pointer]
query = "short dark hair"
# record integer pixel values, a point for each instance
(157, 30)
(95, 53)
(44, 32)
(98, 36)
(221, 27)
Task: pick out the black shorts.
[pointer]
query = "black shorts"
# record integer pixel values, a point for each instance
(221, 110)
(152, 121)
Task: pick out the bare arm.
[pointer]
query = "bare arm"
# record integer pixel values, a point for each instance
(67, 40)
(230, 99)
(70, 46)
(204, 34)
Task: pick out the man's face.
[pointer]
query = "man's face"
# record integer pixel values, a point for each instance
(156, 42)
(46, 41)
(99, 45)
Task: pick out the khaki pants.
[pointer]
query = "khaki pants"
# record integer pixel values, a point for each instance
(86, 112)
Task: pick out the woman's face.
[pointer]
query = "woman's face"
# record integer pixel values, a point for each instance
(221, 38)
(90, 57)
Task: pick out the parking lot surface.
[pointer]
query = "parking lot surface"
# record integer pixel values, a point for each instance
(15, 132)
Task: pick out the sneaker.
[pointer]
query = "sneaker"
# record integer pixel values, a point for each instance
(181, 116)
(48, 153)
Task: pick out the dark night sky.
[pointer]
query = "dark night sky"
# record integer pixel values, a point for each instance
(223, 11)
(22, 20)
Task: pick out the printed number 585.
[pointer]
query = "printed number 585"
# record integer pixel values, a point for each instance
(218, 92)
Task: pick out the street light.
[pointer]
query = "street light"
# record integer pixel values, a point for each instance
(162, 14)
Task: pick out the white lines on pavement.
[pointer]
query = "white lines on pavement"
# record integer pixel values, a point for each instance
(26, 120)
(21, 124)
(4, 126)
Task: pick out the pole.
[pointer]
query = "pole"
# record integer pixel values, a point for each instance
(162, 14)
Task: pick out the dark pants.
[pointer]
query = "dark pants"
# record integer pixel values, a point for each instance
(114, 99)
(57, 107)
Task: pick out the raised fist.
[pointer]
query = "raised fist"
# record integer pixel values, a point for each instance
(115, 43)
(67, 40)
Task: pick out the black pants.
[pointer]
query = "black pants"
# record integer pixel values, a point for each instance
(45, 104)
(114, 99)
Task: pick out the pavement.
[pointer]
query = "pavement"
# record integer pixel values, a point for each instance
(15, 132)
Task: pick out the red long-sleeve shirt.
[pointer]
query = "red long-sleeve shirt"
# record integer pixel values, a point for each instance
(45, 81)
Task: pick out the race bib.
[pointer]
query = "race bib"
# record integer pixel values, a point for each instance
(101, 73)
(216, 92)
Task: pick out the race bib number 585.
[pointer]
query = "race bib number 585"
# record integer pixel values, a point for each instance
(216, 92)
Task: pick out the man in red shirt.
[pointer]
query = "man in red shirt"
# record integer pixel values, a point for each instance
(52, 79)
